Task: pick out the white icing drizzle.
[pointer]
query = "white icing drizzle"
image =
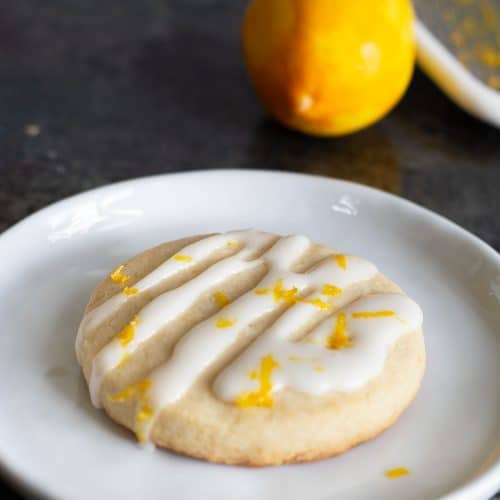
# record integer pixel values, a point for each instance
(168, 306)
(307, 365)
(159, 312)
(200, 347)
(342, 370)
(198, 251)
(205, 343)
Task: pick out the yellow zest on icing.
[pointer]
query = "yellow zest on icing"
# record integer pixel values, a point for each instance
(397, 472)
(341, 261)
(223, 322)
(130, 290)
(339, 338)
(221, 298)
(138, 388)
(117, 275)
(127, 393)
(127, 334)
(123, 360)
(331, 290)
(231, 243)
(299, 358)
(262, 396)
(373, 314)
(320, 304)
(145, 413)
(287, 296)
(182, 258)
(140, 436)
(279, 293)
(282, 288)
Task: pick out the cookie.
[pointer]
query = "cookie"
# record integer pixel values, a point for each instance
(251, 348)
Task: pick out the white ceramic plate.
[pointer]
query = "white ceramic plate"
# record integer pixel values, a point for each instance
(52, 440)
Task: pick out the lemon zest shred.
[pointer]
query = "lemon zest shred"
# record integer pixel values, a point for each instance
(397, 472)
(221, 298)
(123, 360)
(145, 413)
(182, 258)
(223, 322)
(117, 275)
(341, 261)
(339, 338)
(331, 290)
(287, 296)
(139, 387)
(373, 314)
(127, 334)
(122, 396)
(320, 304)
(262, 396)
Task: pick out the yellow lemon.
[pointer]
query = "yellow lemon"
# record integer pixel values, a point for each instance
(329, 67)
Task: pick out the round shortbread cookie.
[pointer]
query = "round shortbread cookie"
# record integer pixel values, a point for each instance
(251, 348)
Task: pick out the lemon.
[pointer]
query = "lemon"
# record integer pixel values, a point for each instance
(329, 67)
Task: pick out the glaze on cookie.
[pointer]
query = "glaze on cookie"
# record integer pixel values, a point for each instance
(256, 326)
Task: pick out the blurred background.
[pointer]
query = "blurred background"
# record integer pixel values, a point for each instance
(97, 91)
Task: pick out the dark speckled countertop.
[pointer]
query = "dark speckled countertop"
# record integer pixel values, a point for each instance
(99, 91)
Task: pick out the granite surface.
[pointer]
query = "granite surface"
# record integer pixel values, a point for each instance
(99, 91)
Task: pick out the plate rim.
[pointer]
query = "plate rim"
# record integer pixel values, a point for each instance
(253, 171)
(485, 483)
